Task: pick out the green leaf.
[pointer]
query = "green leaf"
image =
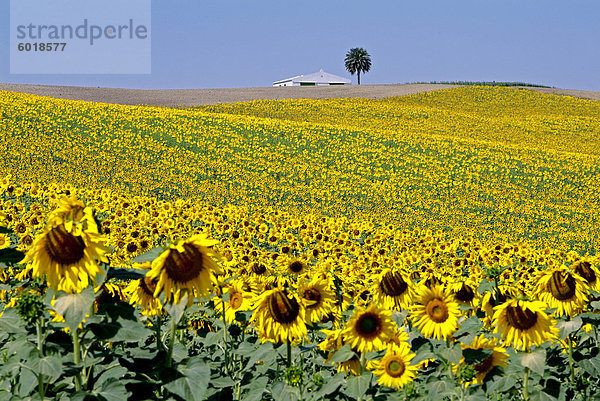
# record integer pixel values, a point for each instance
(452, 354)
(27, 382)
(283, 392)
(10, 322)
(591, 365)
(331, 385)
(5, 230)
(51, 366)
(176, 311)
(125, 274)
(470, 326)
(74, 307)
(113, 390)
(571, 326)
(223, 382)
(148, 256)
(485, 285)
(193, 384)
(535, 360)
(10, 256)
(502, 384)
(343, 354)
(256, 389)
(474, 356)
(357, 385)
(264, 353)
(552, 387)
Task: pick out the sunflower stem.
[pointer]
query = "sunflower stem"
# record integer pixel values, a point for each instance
(289, 353)
(76, 357)
(38, 330)
(225, 334)
(40, 345)
(571, 366)
(363, 362)
(526, 385)
(159, 344)
(171, 342)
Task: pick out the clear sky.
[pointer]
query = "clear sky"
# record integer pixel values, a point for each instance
(244, 43)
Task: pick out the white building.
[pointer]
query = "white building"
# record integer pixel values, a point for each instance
(320, 78)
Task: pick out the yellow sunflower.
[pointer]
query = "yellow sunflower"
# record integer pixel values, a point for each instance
(141, 292)
(332, 343)
(318, 298)
(393, 289)
(523, 323)
(561, 289)
(394, 368)
(279, 316)
(435, 313)
(465, 292)
(498, 357)
(4, 241)
(70, 209)
(239, 300)
(588, 272)
(369, 329)
(185, 266)
(67, 254)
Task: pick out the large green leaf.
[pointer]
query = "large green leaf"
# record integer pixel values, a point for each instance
(51, 366)
(113, 390)
(193, 384)
(452, 354)
(148, 256)
(125, 274)
(256, 389)
(568, 327)
(177, 310)
(535, 360)
(10, 256)
(469, 327)
(474, 356)
(343, 354)
(357, 385)
(74, 307)
(331, 385)
(264, 353)
(10, 322)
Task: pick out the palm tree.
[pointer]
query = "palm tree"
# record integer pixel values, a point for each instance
(358, 60)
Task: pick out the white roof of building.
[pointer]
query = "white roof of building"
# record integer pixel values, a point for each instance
(316, 77)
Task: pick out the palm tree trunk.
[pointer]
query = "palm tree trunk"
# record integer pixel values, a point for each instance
(358, 77)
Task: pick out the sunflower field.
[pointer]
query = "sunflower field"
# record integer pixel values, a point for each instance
(438, 246)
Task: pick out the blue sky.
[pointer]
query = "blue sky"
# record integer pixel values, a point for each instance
(217, 44)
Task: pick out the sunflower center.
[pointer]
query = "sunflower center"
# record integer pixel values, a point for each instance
(392, 284)
(368, 325)
(584, 270)
(258, 268)
(184, 266)
(465, 294)
(484, 365)
(64, 247)
(296, 267)
(562, 288)
(148, 286)
(284, 310)
(437, 310)
(235, 300)
(395, 367)
(519, 318)
(312, 294)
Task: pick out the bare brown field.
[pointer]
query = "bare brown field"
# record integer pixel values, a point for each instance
(189, 97)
